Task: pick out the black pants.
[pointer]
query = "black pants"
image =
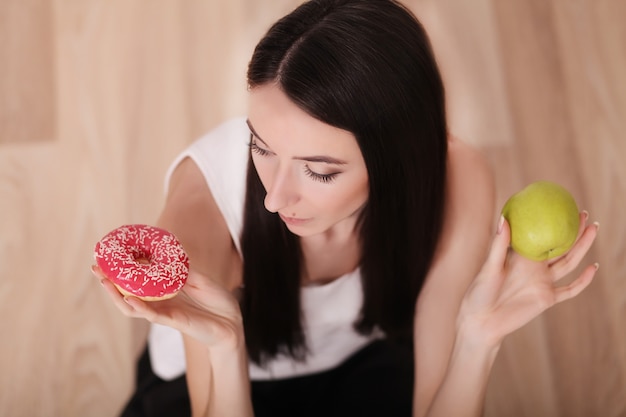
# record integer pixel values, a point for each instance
(377, 381)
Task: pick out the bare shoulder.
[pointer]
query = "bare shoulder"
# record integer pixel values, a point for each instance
(471, 189)
(191, 213)
(469, 222)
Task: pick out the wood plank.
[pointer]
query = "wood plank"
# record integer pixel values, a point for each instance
(114, 89)
(27, 68)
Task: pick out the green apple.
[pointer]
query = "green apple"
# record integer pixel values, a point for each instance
(544, 220)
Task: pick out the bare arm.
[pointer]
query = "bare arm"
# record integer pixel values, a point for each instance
(206, 312)
(463, 247)
(507, 293)
(466, 315)
(191, 213)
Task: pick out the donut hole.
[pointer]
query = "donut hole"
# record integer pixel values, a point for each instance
(141, 256)
(142, 260)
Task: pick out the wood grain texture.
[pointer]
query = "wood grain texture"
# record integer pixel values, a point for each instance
(27, 103)
(123, 86)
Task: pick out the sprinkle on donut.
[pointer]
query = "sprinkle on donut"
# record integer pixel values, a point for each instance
(144, 261)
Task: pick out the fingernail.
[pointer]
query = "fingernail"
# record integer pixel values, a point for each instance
(500, 224)
(586, 214)
(597, 225)
(596, 265)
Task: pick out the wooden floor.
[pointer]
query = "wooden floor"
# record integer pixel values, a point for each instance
(98, 96)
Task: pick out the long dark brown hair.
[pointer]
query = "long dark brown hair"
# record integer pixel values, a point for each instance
(365, 66)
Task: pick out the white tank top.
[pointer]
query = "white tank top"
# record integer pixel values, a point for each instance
(329, 311)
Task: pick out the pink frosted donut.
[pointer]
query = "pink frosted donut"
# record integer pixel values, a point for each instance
(146, 262)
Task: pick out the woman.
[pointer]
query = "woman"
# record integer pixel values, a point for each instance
(348, 272)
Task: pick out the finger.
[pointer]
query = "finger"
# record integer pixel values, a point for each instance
(577, 286)
(140, 308)
(97, 272)
(582, 224)
(113, 292)
(163, 311)
(524, 309)
(583, 217)
(117, 297)
(499, 248)
(491, 277)
(572, 258)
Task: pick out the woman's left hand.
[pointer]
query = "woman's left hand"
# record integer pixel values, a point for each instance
(511, 290)
(202, 310)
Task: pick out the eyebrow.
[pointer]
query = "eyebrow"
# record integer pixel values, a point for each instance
(315, 158)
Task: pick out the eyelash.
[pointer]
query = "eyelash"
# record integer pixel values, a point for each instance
(324, 178)
(255, 148)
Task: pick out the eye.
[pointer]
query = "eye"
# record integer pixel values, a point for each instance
(256, 149)
(325, 178)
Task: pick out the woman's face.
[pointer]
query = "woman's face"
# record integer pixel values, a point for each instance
(313, 173)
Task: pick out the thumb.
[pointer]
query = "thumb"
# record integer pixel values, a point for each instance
(499, 248)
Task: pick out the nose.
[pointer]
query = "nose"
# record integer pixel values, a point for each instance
(282, 191)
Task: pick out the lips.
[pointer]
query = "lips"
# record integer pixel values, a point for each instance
(293, 221)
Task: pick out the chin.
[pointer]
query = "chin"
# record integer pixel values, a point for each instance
(300, 230)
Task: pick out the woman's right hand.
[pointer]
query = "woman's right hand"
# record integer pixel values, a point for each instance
(202, 310)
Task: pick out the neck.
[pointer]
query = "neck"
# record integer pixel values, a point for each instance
(329, 255)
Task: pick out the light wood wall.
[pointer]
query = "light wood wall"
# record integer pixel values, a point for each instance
(98, 96)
